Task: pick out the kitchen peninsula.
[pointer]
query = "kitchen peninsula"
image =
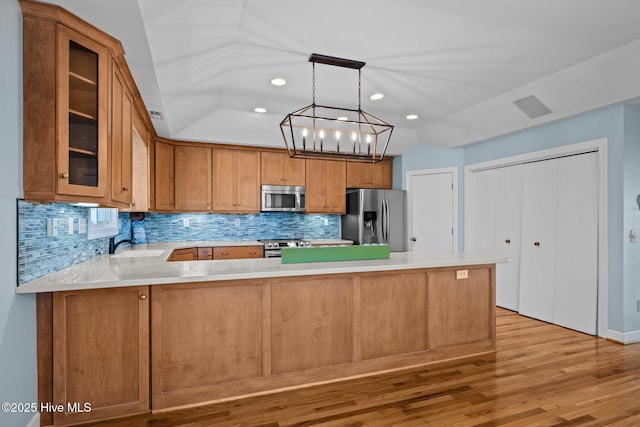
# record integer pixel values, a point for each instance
(170, 334)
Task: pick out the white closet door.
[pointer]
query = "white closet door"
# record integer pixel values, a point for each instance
(482, 212)
(508, 218)
(576, 281)
(537, 268)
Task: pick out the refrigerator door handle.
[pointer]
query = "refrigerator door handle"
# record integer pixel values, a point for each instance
(385, 206)
(382, 221)
(388, 220)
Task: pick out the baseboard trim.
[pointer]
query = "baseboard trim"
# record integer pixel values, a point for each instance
(624, 337)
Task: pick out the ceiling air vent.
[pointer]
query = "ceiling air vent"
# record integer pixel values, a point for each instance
(532, 106)
(155, 114)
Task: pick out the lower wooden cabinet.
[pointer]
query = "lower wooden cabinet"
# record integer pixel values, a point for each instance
(100, 353)
(238, 252)
(185, 254)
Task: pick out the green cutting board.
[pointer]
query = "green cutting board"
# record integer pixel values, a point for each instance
(334, 253)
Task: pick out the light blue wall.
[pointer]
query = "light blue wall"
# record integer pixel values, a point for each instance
(631, 216)
(17, 313)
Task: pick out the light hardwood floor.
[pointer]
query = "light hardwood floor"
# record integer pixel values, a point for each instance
(542, 375)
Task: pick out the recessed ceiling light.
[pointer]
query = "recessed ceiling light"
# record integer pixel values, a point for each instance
(376, 96)
(412, 117)
(260, 110)
(343, 118)
(278, 81)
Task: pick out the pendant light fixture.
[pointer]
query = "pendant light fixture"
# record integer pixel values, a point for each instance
(320, 131)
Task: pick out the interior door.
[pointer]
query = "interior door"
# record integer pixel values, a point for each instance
(508, 220)
(537, 269)
(431, 211)
(576, 285)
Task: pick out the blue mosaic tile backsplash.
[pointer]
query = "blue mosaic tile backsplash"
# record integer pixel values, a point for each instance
(39, 255)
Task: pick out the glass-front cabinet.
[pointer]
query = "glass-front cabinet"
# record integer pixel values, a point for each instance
(82, 115)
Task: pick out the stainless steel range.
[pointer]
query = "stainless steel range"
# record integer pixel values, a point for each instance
(272, 248)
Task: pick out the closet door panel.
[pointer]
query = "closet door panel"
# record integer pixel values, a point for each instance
(537, 269)
(508, 220)
(482, 215)
(576, 280)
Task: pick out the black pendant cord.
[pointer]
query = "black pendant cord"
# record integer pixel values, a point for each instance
(359, 89)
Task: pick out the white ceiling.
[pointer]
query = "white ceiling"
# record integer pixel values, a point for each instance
(457, 64)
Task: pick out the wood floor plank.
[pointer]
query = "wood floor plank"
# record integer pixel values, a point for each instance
(541, 375)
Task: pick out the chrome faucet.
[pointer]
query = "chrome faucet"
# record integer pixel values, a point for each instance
(113, 245)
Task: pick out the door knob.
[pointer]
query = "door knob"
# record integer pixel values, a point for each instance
(536, 244)
(507, 241)
(413, 239)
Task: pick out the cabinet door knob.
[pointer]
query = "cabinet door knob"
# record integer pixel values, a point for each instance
(125, 189)
(536, 244)
(143, 296)
(64, 175)
(507, 241)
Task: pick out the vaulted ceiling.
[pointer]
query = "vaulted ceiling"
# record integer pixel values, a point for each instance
(457, 64)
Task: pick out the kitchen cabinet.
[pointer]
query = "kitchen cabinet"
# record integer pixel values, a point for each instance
(121, 140)
(192, 177)
(280, 169)
(164, 176)
(370, 175)
(205, 254)
(140, 197)
(326, 186)
(185, 254)
(236, 181)
(66, 109)
(238, 252)
(100, 353)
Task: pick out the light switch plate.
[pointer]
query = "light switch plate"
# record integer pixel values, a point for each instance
(82, 225)
(70, 225)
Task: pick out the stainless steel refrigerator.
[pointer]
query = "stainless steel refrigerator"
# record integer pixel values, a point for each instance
(376, 216)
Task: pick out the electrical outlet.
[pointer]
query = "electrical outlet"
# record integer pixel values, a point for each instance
(70, 226)
(462, 274)
(185, 222)
(326, 222)
(236, 222)
(82, 225)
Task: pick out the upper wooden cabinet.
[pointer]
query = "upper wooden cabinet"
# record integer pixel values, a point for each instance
(280, 169)
(326, 186)
(66, 101)
(370, 175)
(79, 103)
(192, 178)
(121, 140)
(164, 176)
(236, 181)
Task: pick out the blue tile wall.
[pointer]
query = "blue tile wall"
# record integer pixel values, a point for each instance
(39, 255)
(268, 225)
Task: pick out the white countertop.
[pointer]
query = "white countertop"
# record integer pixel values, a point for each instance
(146, 265)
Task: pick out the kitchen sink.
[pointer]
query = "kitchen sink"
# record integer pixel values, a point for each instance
(139, 254)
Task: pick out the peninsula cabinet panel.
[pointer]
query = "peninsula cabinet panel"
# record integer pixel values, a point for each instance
(311, 324)
(101, 353)
(326, 186)
(164, 176)
(238, 252)
(205, 334)
(280, 169)
(461, 310)
(393, 315)
(193, 174)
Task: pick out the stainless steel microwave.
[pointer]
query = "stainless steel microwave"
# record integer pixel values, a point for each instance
(283, 198)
